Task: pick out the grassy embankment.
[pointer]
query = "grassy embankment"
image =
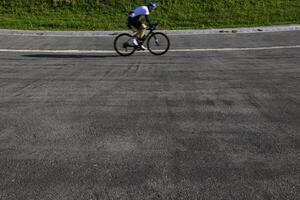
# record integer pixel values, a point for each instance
(171, 14)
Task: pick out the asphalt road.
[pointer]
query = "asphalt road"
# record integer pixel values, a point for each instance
(205, 125)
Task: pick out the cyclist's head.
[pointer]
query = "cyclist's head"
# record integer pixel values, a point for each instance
(152, 6)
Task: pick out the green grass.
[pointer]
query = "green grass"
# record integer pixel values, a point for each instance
(171, 14)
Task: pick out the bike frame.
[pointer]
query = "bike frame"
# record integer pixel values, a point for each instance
(147, 35)
(151, 33)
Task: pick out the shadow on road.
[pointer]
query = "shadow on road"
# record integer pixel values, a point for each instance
(68, 56)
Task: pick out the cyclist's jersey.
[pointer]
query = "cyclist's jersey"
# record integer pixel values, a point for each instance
(140, 11)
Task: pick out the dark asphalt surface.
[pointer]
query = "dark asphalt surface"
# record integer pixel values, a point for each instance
(187, 125)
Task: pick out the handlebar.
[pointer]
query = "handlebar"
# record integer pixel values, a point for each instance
(152, 26)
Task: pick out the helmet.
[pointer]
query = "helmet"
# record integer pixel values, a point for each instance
(152, 5)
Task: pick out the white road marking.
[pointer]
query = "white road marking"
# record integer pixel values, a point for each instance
(55, 51)
(238, 49)
(171, 50)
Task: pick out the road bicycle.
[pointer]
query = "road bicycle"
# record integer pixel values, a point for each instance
(158, 43)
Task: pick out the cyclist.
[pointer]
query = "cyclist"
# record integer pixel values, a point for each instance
(136, 25)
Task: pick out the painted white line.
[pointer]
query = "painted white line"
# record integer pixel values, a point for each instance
(171, 50)
(55, 51)
(70, 35)
(237, 49)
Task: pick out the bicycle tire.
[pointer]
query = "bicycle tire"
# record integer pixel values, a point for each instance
(121, 50)
(163, 39)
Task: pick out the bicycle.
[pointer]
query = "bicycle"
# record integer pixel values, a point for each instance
(158, 43)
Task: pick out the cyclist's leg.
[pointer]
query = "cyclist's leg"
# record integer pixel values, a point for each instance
(136, 28)
(132, 25)
(139, 26)
(140, 36)
(141, 32)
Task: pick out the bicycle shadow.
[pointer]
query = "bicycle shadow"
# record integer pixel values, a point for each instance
(64, 56)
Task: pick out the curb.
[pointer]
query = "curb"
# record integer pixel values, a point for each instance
(295, 27)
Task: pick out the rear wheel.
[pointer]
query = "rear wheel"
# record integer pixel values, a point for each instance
(158, 43)
(123, 44)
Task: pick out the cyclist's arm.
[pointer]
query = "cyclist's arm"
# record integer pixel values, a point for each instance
(148, 20)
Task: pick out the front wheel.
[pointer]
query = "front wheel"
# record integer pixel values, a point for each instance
(158, 43)
(123, 44)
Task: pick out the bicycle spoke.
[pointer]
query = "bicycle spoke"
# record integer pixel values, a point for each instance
(122, 44)
(158, 43)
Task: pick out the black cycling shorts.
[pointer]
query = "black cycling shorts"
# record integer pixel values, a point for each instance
(134, 22)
